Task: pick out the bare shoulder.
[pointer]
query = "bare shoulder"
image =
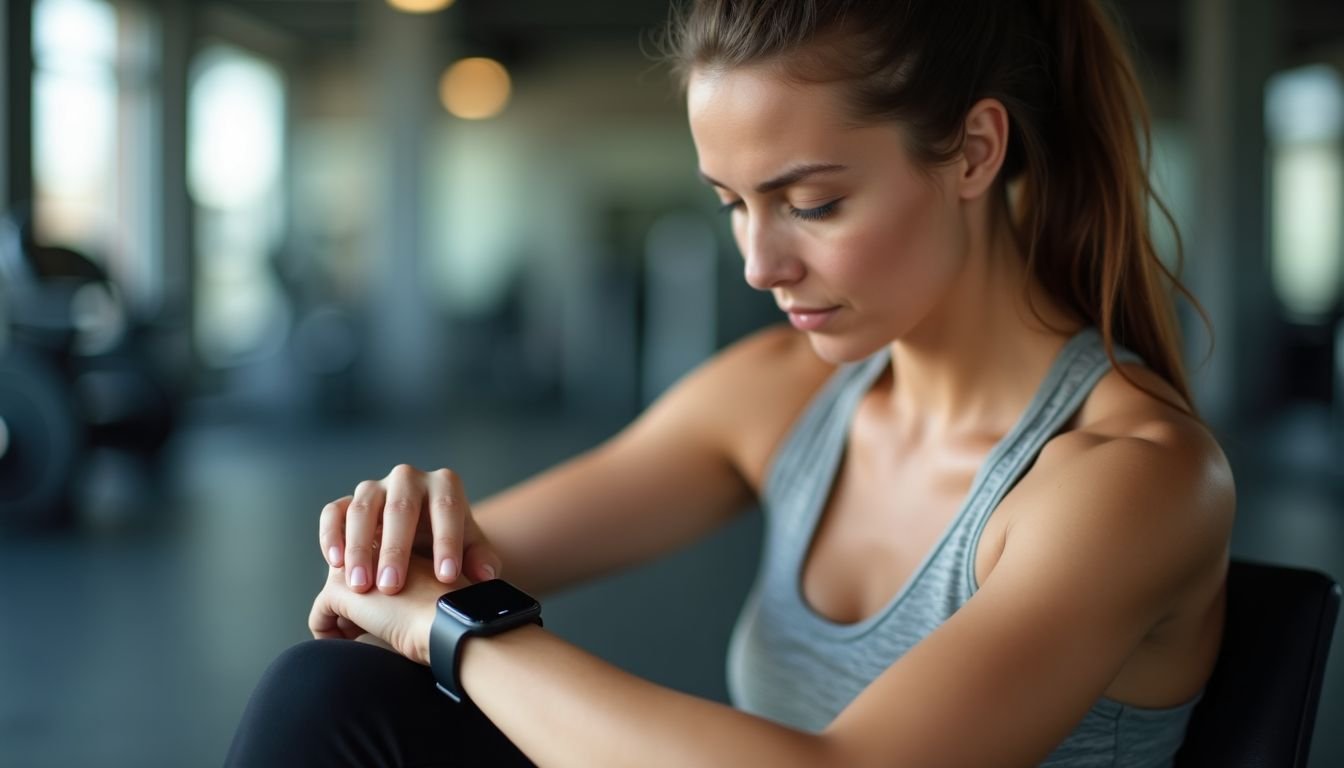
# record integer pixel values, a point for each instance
(1144, 424)
(754, 390)
(1148, 473)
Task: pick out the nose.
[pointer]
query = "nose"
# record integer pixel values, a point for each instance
(769, 256)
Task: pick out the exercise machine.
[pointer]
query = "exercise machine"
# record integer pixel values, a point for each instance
(75, 374)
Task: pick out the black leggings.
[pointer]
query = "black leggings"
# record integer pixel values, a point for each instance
(339, 702)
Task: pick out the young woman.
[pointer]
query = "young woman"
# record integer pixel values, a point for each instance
(997, 532)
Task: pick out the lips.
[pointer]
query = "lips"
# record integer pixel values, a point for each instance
(810, 318)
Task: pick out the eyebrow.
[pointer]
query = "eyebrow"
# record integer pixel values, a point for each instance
(791, 176)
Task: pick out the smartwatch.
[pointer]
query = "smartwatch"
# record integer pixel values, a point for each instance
(479, 610)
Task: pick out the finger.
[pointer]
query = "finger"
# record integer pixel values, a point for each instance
(448, 513)
(322, 620)
(405, 491)
(481, 561)
(361, 524)
(331, 531)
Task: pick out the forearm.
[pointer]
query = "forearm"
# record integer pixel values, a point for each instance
(602, 512)
(565, 707)
(527, 528)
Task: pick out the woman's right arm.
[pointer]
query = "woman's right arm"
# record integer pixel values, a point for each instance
(688, 464)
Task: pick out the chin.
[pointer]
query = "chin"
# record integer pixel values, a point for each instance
(841, 348)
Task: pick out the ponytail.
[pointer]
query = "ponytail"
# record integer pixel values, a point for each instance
(1082, 209)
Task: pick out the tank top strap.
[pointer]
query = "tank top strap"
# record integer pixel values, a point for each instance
(809, 455)
(1077, 368)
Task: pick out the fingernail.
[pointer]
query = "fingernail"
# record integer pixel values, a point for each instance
(388, 578)
(334, 556)
(488, 570)
(359, 577)
(446, 568)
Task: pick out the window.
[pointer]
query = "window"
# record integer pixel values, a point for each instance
(235, 146)
(1304, 115)
(95, 172)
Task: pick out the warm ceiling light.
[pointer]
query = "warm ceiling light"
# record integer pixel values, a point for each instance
(419, 6)
(475, 88)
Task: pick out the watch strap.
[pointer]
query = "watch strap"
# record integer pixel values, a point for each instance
(446, 638)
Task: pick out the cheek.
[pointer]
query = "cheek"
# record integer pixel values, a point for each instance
(907, 248)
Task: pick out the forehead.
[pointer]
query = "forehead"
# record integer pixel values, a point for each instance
(752, 118)
(756, 86)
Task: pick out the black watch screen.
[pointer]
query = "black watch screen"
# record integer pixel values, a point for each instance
(488, 601)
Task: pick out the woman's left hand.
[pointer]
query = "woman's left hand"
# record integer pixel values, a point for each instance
(402, 620)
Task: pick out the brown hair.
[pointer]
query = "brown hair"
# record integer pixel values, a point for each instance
(1079, 144)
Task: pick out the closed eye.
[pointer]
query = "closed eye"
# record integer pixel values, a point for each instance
(806, 214)
(815, 214)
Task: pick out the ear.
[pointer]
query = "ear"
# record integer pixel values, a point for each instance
(985, 146)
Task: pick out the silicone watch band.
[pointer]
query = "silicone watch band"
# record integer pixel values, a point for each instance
(445, 645)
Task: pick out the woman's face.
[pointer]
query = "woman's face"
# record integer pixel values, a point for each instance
(854, 241)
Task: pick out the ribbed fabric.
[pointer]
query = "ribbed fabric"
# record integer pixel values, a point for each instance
(790, 664)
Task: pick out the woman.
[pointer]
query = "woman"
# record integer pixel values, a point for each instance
(997, 532)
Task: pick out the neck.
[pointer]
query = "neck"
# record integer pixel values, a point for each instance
(973, 365)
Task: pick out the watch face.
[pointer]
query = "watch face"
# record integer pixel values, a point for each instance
(488, 601)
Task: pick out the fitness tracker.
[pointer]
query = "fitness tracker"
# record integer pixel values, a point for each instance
(480, 610)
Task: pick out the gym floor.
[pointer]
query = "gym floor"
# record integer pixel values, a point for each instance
(136, 641)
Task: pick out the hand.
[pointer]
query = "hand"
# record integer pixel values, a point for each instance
(407, 511)
(402, 621)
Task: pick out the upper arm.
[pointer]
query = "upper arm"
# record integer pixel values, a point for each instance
(670, 476)
(1127, 526)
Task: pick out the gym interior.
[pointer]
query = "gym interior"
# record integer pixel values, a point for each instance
(255, 251)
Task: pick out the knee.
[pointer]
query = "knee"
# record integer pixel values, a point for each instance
(310, 701)
(338, 702)
(311, 661)
(322, 671)
(297, 681)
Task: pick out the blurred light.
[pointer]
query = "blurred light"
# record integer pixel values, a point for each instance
(475, 88)
(1304, 120)
(419, 6)
(235, 129)
(1308, 200)
(74, 34)
(478, 244)
(74, 121)
(235, 152)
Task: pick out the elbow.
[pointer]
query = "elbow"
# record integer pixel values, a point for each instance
(828, 749)
(853, 750)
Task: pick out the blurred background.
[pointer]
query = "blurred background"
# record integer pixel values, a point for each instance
(255, 251)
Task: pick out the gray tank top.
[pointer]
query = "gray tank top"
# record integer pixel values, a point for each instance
(788, 663)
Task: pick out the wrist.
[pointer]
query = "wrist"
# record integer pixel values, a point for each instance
(480, 655)
(462, 617)
(420, 637)
(501, 643)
